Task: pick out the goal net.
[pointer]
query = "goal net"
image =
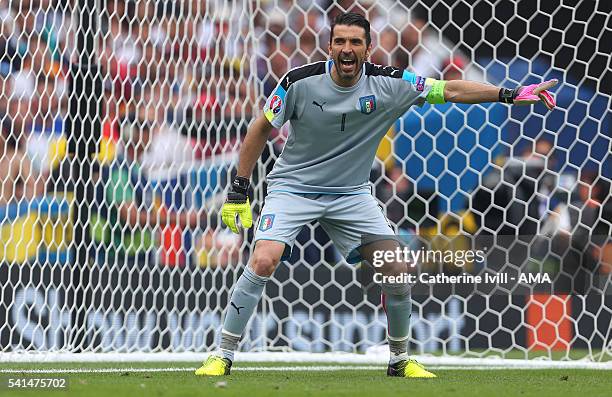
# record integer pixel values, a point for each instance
(121, 122)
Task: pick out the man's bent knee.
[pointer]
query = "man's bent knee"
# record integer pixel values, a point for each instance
(266, 257)
(263, 265)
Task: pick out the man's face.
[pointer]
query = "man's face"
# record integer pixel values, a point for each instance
(349, 51)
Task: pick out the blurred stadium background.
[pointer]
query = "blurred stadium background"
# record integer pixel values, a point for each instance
(121, 121)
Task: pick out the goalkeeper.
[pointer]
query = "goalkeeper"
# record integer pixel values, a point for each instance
(338, 111)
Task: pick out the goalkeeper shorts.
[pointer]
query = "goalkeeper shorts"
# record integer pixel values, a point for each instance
(345, 218)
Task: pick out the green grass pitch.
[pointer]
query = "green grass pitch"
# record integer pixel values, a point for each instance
(177, 379)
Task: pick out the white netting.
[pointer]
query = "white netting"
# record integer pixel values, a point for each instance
(121, 122)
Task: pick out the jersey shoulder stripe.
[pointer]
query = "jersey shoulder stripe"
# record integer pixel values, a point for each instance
(302, 72)
(389, 71)
(382, 70)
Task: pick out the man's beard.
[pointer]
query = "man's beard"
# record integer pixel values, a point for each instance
(345, 70)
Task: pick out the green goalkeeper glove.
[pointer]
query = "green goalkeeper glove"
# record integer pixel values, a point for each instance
(237, 204)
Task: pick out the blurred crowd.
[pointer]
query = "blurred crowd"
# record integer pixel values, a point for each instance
(181, 80)
(180, 84)
(184, 65)
(174, 84)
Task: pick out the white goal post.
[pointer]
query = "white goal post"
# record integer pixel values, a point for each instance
(121, 121)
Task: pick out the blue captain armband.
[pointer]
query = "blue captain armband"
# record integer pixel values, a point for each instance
(436, 93)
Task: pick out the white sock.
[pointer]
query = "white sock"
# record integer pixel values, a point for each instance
(398, 349)
(229, 354)
(394, 358)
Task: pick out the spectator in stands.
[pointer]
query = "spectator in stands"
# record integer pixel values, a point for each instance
(46, 142)
(589, 210)
(12, 47)
(218, 248)
(395, 191)
(385, 52)
(522, 186)
(18, 110)
(133, 208)
(5, 95)
(309, 23)
(601, 251)
(168, 152)
(121, 31)
(582, 230)
(533, 181)
(430, 54)
(37, 64)
(35, 94)
(55, 25)
(111, 114)
(17, 178)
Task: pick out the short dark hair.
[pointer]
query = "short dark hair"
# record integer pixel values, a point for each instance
(349, 19)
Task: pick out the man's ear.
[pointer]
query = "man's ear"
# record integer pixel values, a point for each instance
(329, 49)
(368, 51)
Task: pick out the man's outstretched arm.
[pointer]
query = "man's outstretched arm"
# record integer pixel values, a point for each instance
(463, 91)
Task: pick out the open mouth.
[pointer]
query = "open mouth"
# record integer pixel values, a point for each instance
(347, 65)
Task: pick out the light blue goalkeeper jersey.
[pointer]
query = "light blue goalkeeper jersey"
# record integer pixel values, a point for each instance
(335, 131)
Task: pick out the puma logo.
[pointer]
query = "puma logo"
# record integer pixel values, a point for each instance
(236, 307)
(319, 104)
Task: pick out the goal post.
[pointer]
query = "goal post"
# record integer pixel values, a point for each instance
(181, 83)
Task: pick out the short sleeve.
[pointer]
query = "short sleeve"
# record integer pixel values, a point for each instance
(411, 90)
(280, 105)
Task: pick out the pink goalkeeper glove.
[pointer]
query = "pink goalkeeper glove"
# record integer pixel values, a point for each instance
(531, 94)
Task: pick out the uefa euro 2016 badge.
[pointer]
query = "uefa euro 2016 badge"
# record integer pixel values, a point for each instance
(367, 104)
(276, 104)
(266, 222)
(420, 83)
